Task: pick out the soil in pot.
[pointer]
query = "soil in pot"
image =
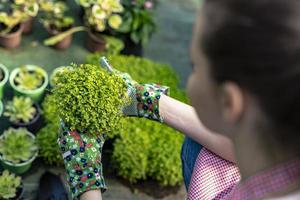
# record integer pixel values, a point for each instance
(95, 42)
(28, 26)
(132, 48)
(12, 39)
(65, 43)
(34, 125)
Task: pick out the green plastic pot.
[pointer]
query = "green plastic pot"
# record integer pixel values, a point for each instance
(4, 81)
(19, 168)
(35, 94)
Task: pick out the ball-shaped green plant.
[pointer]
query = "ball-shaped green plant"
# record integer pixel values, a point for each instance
(90, 99)
(50, 112)
(48, 147)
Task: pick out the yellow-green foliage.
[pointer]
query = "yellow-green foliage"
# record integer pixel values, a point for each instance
(8, 185)
(90, 99)
(146, 149)
(47, 141)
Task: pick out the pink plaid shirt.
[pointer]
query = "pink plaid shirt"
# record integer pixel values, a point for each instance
(215, 178)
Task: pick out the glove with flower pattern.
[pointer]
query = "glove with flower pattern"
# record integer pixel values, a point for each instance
(144, 97)
(81, 152)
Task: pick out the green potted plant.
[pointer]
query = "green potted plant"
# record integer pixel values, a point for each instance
(29, 80)
(55, 21)
(56, 71)
(11, 187)
(11, 29)
(89, 99)
(30, 9)
(18, 149)
(4, 74)
(23, 112)
(99, 17)
(138, 25)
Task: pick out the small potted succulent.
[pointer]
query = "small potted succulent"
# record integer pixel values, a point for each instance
(138, 25)
(11, 187)
(30, 9)
(11, 29)
(56, 22)
(99, 17)
(29, 80)
(4, 74)
(23, 112)
(18, 149)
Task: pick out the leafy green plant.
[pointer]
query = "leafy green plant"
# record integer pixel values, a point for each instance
(9, 183)
(29, 8)
(17, 145)
(138, 20)
(28, 79)
(20, 109)
(10, 21)
(143, 148)
(48, 147)
(89, 98)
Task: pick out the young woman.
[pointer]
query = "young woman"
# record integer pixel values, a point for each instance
(246, 58)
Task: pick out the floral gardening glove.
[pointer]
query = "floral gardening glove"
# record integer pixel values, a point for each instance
(82, 157)
(144, 97)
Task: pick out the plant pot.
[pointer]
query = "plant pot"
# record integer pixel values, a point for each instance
(28, 26)
(19, 168)
(36, 94)
(19, 193)
(94, 43)
(64, 44)
(12, 40)
(55, 71)
(4, 80)
(34, 125)
(132, 48)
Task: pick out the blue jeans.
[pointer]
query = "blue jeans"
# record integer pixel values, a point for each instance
(189, 153)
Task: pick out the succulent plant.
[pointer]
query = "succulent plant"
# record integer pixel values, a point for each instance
(20, 109)
(17, 145)
(9, 184)
(28, 79)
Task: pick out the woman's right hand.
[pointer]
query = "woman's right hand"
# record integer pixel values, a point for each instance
(144, 97)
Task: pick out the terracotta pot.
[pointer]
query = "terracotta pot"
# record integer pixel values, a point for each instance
(12, 40)
(94, 43)
(64, 44)
(28, 25)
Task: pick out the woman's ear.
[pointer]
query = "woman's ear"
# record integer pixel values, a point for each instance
(233, 102)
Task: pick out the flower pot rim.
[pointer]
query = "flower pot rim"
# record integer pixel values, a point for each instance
(32, 67)
(6, 75)
(23, 163)
(10, 35)
(35, 119)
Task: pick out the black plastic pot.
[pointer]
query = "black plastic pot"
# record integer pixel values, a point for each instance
(132, 48)
(34, 125)
(20, 193)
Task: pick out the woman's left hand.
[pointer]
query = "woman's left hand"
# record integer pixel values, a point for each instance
(82, 157)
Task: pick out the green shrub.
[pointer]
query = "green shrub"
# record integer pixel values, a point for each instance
(8, 185)
(47, 141)
(145, 148)
(90, 99)
(130, 153)
(50, 112)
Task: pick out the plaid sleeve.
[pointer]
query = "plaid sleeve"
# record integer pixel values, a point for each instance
(213, 177)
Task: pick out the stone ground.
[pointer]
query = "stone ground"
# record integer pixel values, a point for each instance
(169, 45)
